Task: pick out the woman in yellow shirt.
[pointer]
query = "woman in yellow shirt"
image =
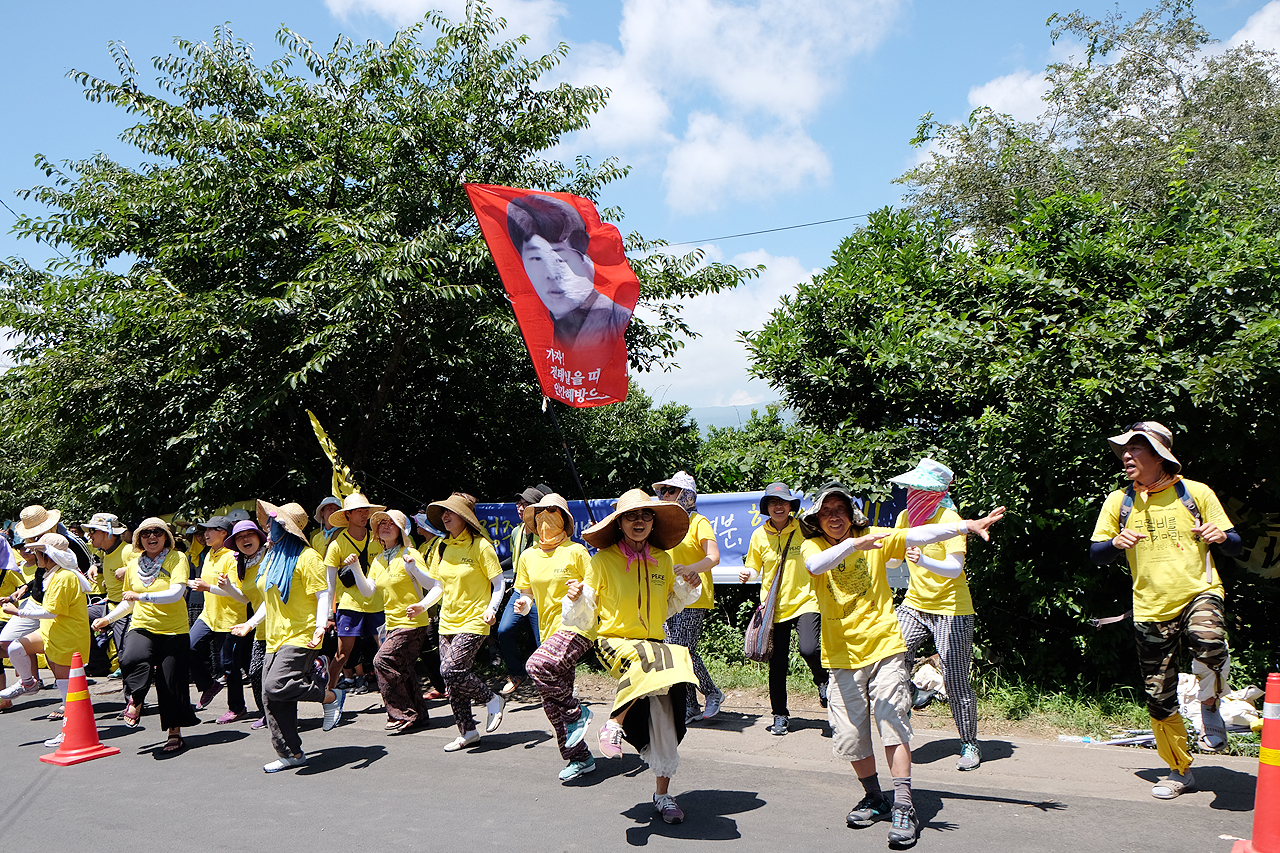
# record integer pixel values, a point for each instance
(223, 607)
(397, 573)
(631, 589)
(159, 636)
(470, 583)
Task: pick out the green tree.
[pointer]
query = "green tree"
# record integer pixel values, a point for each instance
(298, 237)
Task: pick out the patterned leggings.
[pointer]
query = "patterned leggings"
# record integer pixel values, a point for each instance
(953, 635)
(256, 660)
(552, 669)
(685, 629)
(397, 680)
(1201, 627)
(457, 654)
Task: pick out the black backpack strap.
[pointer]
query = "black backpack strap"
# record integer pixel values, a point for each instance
(1188, 501)
(1126, 506)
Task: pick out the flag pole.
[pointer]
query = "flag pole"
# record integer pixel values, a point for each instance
(550, 410)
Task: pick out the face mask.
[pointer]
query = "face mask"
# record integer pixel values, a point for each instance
(550, 529)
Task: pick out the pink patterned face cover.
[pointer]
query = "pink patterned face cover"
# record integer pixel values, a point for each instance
(921, 505)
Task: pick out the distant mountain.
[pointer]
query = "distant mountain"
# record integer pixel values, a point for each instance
(727, 416)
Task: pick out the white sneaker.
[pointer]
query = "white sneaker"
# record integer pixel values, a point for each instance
(22, 688)
(285, 763)
(471, 738)
(333, 710)
(55, 741)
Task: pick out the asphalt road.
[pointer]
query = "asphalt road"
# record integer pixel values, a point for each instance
(737, 783)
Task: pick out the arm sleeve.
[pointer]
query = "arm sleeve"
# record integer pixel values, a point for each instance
(258, 615)
(363, 583)
(120, 611)
(951, 567)
(435, 592)
(169, 596)
(31, 610)
(927, 534)
(825, 561)
(1104, 553)
(499, 586)
(1233, 546)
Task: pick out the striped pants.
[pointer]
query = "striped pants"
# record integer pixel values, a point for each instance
(953, 635)
(552, 669)
(685, 629)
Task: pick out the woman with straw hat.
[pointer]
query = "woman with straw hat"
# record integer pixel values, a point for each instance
(543, 576)
(470, 582)
(159, 636)
(360, 616)
(397, 574)
(630, 591)
(296, 590)
(62, 612)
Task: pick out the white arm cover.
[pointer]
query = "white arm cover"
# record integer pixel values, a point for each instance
(580, 614)
(435, 592)
(324, 607)
(120, 611)
(826, 561)
(415, 571)
(682, 594)
(499, 586)
(258, 615)
(927, 534)
(951, 567)
(31, 610)
(169, 596)
(362, 581)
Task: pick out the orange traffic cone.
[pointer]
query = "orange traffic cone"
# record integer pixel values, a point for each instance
(79, 732)
(1266, 802)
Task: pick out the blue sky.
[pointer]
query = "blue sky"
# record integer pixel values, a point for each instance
(735, 116)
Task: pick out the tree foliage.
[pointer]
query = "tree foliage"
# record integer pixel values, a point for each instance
(297, 236)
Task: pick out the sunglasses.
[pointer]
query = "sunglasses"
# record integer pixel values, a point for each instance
(639, 515)
(669, 490)
(151, 534)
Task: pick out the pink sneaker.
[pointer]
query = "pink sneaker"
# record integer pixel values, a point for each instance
(232, 717)
(611, 740)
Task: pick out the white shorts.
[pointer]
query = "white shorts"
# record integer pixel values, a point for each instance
(18, 627)
(855, 695)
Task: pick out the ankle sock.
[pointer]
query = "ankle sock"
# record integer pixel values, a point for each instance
(902, 791)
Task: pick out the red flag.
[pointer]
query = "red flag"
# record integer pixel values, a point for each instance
(573, 292)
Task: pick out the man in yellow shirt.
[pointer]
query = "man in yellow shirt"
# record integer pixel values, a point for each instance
(106, 534)
(1165, 525)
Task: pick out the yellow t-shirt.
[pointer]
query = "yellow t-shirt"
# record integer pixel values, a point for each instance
(13, 578)
(631, 605)
(221, 612)
(159, 618)
(112, 560)
(547, 575)
(320, 542)
(1168, 566)
(466, 572)
(689, 551)
(97, 585)
(859, 626)
(344, 546)
(292, 622)
(69, 632)
(795, 592)
(398, 588)
(930, 593)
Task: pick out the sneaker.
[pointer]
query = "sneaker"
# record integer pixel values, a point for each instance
(970, 757)
(921, 699)
(55, 741)
(576, 732)
(714, 701)
(365, 684)
(231, 717)
(869, 809)
(1214, 738)
(611, 740)
(115, 674)
(692, 715)
(779, 726)
(207, 696)
(822, 694)
(574, 769)
(495, 708)
(260, 723)
(22, 688)
(668, 808)
(333, 710)
(471, 738)
(347, 682)
(285, 763)
(905, 828)
(1175, 785)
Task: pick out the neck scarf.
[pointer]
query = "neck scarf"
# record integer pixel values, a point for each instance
(1165, 481)
(643, 557)
(688, 500)
(243, 563)
(282, 559)
(922, 504)
(149, 569)
(551, 530)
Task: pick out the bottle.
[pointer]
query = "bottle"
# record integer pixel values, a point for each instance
(1075, 739)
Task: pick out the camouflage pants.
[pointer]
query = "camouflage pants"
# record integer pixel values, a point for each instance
(1200, 627)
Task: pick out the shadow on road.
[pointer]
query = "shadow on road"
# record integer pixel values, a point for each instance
(705, 817)
(359, 757)
(730, 721)
(949, 748)
(1232, 790)
(930, 803)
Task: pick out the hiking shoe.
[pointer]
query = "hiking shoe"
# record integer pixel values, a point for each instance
(333, 710)
(822, 694)
(345, 682)
(1176, 785)
(576, 732)
(779, 726)
(22, 688)
(55, 741)
(115, 674)
(970, 757)
(921, 699)
(668, 808)
(611, 740)
(471, 738)
(285, 763)
(714, 701)
(692, 715)
(905, 828)
(574, 769)
(365, 684)
(869, 809)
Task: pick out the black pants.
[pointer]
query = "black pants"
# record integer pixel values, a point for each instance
(169, 655)
(806, 627)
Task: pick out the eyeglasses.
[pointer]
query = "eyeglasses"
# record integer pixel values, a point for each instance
(639, 515)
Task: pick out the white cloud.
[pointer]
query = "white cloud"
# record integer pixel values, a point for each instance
(713, 368)
(539, 19)
(718, 160)
(1019, 94)
(1262, 28)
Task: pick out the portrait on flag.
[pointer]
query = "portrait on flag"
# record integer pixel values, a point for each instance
(573, 292)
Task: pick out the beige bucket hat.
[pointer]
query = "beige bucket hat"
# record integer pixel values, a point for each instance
(670, 522)
(151, 524)
(353, 501)
(1157, 435)
(396, 517)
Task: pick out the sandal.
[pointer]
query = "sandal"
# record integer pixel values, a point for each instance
(401, 727)
(392, 725)
(59, 714)
(130, 715)
(175, 743)
(1175, 785)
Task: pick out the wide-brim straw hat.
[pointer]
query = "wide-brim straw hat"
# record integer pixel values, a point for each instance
(396, 517)
(35, 521)
(106, 522)
(149, 523)
(353, 501)
(929, 475)
(1157, 435)
(670, 522)
(461, 507)
(291, 516)
(554, 501)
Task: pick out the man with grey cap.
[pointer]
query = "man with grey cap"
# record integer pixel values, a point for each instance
(1165, 526)
(106, 534)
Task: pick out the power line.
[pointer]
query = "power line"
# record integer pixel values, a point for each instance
(769, 230)
(15, 216)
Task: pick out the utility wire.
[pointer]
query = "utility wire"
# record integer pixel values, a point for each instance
(769, 230)
(15, 216)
